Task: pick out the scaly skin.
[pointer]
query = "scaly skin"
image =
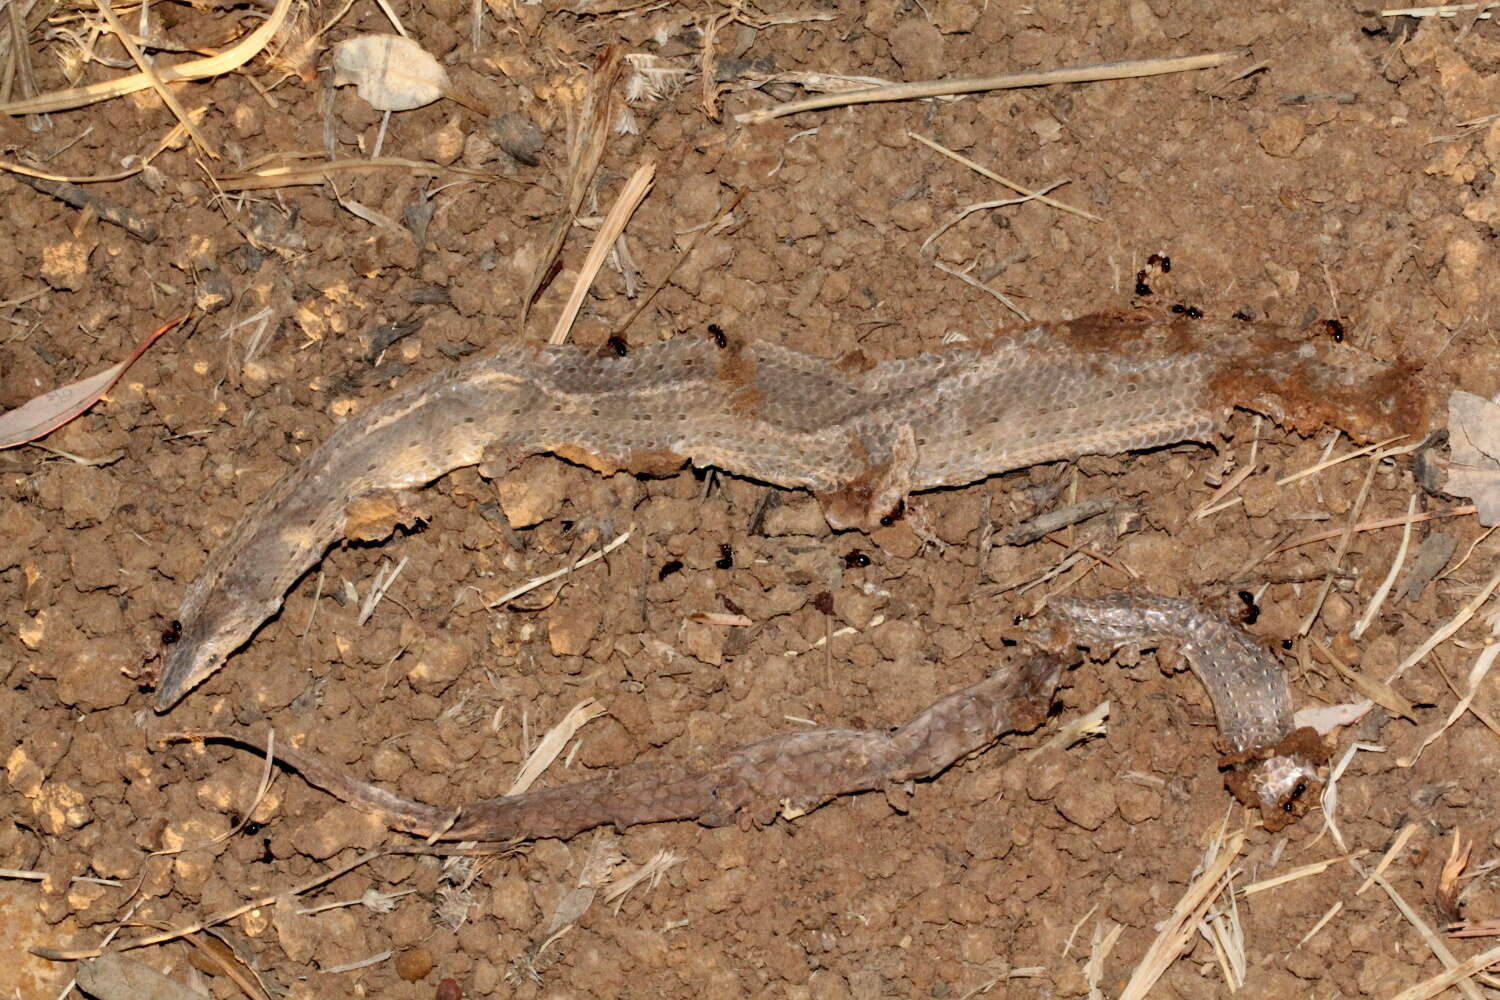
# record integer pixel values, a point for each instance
(861, 440)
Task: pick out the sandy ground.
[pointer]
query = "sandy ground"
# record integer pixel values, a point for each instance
(1336, 181)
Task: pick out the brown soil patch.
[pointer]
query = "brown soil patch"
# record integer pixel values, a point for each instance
(1337, 182)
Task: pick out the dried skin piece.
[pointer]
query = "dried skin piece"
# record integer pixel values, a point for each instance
(1269, 763)
(791, 774)
(861, 440)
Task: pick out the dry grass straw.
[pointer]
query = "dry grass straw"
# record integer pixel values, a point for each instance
(1482, 665)
(1068, 944)
(1102, 943)
(1017, 188)
(536, 582)
(1329, 463)
(1456, 976)
(1213, 506)
(1398, 844)
(1328, 915)
(839, 633)
(232, 965)
(1380, 693)
(322, 173)
(1468, 553)
(172, 934)
(1080, 729)
(173, 136)
(1179, 928)
(1384, 590)
(149, 72)
(230, 59)
(1342, 549)
(1480, 713)
(614, 224)
(714, 225)
(1442, 635)
(1389, 522)
(1482, 11)
(545, 752)
(589, 116)
(1458, 973)
(1010, 81)
(652, 872)
(1298, 873)
(384, 577)
(1330, 797)
(1225, 933)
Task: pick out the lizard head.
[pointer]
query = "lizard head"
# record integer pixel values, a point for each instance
(208, 637)
(1282, 780)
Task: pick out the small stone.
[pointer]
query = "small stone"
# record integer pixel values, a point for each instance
(918, 47)
(338, 828)
(60, 806)
(93, 677)
(1283, 134)
(510, 901)
(213, 292)
(912, 215)
(65, 265)
(518, 136)
(449, 989)
(534, 492)
(573, 626)
(31, 631)
(954, 17)
(446, 144)
(1050, 770)
(414, 964)
(438, 664)
(1086, 803)
(246, 119)
(93, 562)
(795, 516)
(1138, 805)
(24, 773)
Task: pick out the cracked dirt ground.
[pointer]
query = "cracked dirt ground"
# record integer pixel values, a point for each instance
(1350, 176)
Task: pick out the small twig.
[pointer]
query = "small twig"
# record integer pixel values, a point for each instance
(149, 72)
(1389, 522)
(536, 582)
(1043, 525)
(1010, 81)
(384, 577)
(614, 224)
(681, 259)
(1384, 589)
(1018, 188)
(77, 954)
(76, 196)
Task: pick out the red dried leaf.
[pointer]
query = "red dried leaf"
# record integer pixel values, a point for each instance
(49, 411)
